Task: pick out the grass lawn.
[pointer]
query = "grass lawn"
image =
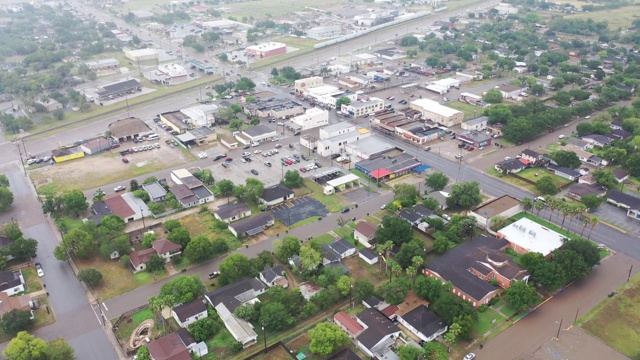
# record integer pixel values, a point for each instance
(32, 280)
(547, 224)
(334, 203)
(616, 321)
(508, 311)
(300, 43)
(116, 279)
(304, 222)
(203, 223)
(469, 110)
(530, 174)
(483, 325)
(512, 180)
(616, 18)
(324, 239)
(345, 232)
(221, 343)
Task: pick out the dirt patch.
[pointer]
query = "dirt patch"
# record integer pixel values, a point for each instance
(298, 343)
(358, 269)
(411, 301)
(278, 353)
(81, 173)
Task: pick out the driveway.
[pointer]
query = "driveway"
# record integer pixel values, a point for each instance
(530, 337)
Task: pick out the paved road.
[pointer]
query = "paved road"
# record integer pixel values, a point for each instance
(526, 337)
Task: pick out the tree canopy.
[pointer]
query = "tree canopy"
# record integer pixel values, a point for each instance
(464, 195)
(394, 229)
(326, 338)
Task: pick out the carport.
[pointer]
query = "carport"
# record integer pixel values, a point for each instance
(422, 168)
(326, 175)
(343, 182)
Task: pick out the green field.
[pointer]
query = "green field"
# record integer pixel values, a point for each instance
(469, 110)
(530, 174)
(484, 322)
(616, 321)
(616, 18)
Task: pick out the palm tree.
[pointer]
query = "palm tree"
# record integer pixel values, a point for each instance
(527, 204)
(551, 204)
(593, 222)
(411, 271)
(585, 222)
(577, 209)
(384, 251)
(573, 211)
(565, 210)
(539, 205)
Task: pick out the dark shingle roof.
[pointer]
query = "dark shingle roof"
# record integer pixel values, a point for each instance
(511, 164)
(275, 192)
(410, 216)
(271, 274)
(252, 225)
(564, 170)
(378, 326)
(367, 253)
(228, 295)
(341, 246)
(227, 211)
(530, 153)
(624, 198)
(9, 279)
(329, 254)
(423, 320)
(189, 309)
(346, 354)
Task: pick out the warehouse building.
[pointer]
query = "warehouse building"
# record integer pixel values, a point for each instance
(440, 114)
(266, 50)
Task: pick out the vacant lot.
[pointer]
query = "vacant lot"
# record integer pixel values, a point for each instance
(358, 269)
(116, 279)
(616, 18)
(279, 353)
(616, 321)
(534, 174)
(106, 168)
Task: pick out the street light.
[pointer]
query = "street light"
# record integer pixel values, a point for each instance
(264, 335)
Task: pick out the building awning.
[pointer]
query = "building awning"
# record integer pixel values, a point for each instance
(421, 168)
(524, 161)
(380, 173)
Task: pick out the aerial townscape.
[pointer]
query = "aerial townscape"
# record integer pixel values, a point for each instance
(321, 180)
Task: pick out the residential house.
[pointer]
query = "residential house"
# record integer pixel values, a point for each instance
(374, 302)
(587, 179)
(441, 198)
(625, 201)
(368, 256)
(15, 302)
(510, 166)
(252, 225)
(188, 313)
(619, 135)
(329, 255)
(166, 249)
(343, 248)
(168, 347)
(470, 266)
(504, 206)
(200, 349)
(11, 282)
(232, 212)
(584, 145)
(295, 263)
(597, 140)
(365, 233)
(139, 259)
(156, 191)
(379, 334)
(423, 323)
(49, 105)
(347, 324)
(577, 191)
(227, 298)
(274, 276)
(621, 175)
(533, 156)
(184, 195)
(410, 216)
(568, 174)
(616, 125)
(585, 156)
(276, 194)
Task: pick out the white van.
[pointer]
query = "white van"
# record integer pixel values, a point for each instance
(153, 137)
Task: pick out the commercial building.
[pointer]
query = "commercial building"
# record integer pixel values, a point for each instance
(337, 144)
(94, 146)
(256, 134)
(118, 89)
(201, 115)
(475, 138)
(275, 108)
(388, 167)
(477, 124)
(266, 50)
(625, 201)
(363, 107)
(61, 155)
(368, 147)
(276, 194)
(172, 71)
(312, 118)
(526, 236)
(128, 129)
(337, 129)
(504, 206)
(440, 114)
(176, 120)
(141, 56)
(324, 32)
(103, 65)
(300, 86)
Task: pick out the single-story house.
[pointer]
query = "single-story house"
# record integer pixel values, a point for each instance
(274, 276)
(379, 334)
(162, 247)
(470, 266)
(619, 135)
(252, 225)
(621, 175)
(329, 255)
(188, 313)
(566, 173)
(597, 140)
(410, 216)
(199, 349)
(510, 166)
(168, 347)
(345, 354)
(138, 259)
(365, 233)
(343, 248)
(232, 212)
(11, 282)
(584, 145)
(157, 192)
(368, 256)
(625, 201)
(189, 197)
(227, 298)
(504, 206)
(533, 156)
(374, 302)
(15, 302)
(577, 191)
(276, 194)
(348, 324)
(423, 323)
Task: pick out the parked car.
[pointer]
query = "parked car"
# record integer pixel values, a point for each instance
(125, 160)
(39, 270)
(254, 172)
(267, 164)
(202, 155)
(228, 160)
(246, 147)
(218, 157)
(345, 210)
(470, 356)
(214, 274)
(119, 188)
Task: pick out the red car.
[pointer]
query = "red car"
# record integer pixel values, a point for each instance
(229, 160)
(303, 170)
(289, 162)
(125, 160)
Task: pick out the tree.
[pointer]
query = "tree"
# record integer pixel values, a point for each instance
(586, 249)
(247, 312)
(527, 204)
(200, 248)
(436, 181)
(493, 96)
(394, 230)
(203, 329)
(572, 263)
(235, 267)
(155, 263)
(274, 316)
(4, 181)
(26, 347)
(59, 349)
(429, 288)
(408, 251)
(591, 201)
(327, 338)
(133, 185)
(181, 290)
(565, 158)
(408, 352)
(345, 284)
(98, 196)
(362, 289)
(292, 179)
(465, 195)
(309, 257)
(435, 351)
(431, 204)
(394, 292)
(520, 295)
(633, 164)
(77, 242)
(225, 187)
(180, 236)
(546, 185)
(452, 334)
(592, 223)
(406, 194)
(143, 352)
(342, 101)
(91, 277)
(287, 248)
(22, 248)
(75, 202)
(12, 231)
(147, 239)
(15, 321)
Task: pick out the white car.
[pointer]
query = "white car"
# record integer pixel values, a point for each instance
(246, 154)
(39, 270)
(119, 188)
(384, 206)
(255, 144)
(202, 155)
(470, 356)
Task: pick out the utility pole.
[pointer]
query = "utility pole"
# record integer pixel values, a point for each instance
(559, 327)
(629, 276)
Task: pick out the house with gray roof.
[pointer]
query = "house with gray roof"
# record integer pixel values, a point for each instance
(274, 276)
(157, 192)
(252, 225)
(379, 335)
(423, 323)
(232, 212)
(584, 145)
(343, 248)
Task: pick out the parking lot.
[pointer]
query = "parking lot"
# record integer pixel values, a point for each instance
(617, 216)
(299, 209)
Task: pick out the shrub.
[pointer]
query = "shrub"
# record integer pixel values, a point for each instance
(493, 301)
(482, 308)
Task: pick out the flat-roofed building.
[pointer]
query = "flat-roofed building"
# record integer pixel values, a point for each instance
(526, 236)
(504, 206)
(141, 56)
(266, 50)
(324, 32)
(114, 90)
(128, 129)
(312, 118)
(432, 110)
(363, 108)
